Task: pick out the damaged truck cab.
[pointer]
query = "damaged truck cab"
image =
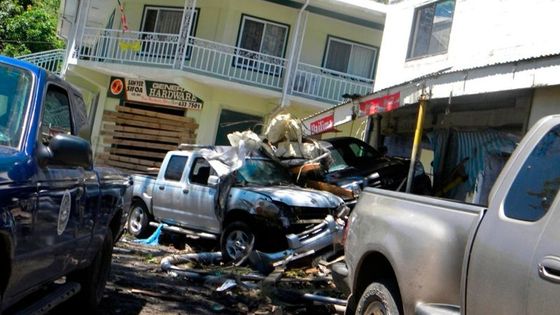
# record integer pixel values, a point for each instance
(256, 206)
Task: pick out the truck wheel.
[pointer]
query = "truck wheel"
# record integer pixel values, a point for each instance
(237, 242)
(93, 278)
(378, 299)
(139, 221)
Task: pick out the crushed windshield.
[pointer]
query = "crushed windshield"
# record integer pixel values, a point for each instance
(15, 86)
(262, 173)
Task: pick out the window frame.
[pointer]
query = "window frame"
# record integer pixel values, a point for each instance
(352, 43)
(194, 25)
(414, 28)
(238, 64)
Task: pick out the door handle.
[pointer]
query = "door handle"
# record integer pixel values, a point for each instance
(185, 190)
(161, 187)
(549, 269)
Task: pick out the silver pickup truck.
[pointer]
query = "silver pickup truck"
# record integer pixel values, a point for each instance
(256, 206)
(409, 254)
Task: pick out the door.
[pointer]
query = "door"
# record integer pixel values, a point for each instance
(231, 121)
(200, 197)
(60, 234)
(168, 191)
(503, 276)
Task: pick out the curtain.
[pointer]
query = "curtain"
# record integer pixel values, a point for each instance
(338, 56)
(274, 39)
(169, 21)
(361, 62)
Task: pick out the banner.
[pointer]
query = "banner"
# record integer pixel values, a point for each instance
(322, 124)
(380, 104)
(153, 92)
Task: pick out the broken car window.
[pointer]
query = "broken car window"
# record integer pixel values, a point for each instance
(262, 172)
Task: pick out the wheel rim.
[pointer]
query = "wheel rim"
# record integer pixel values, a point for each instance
(136, 220)
(376, 308)
(238, 244)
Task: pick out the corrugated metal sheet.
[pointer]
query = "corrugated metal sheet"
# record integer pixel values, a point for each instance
(472, 148)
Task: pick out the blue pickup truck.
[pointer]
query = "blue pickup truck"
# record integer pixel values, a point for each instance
(59, 216)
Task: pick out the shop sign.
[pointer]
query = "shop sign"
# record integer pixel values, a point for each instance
(153, 92)
(380, 104)
(323, 124)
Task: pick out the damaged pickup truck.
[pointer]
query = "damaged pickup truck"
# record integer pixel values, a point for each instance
(254, 207)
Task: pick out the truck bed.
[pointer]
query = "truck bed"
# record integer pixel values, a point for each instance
(424, 239)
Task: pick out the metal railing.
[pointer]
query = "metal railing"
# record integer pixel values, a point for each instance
(234, 63)
(327, 85)
(145, 48)
(51, 60)
(218, 60)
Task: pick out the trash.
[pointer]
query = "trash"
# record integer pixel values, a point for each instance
(152, 239)
(228, 284)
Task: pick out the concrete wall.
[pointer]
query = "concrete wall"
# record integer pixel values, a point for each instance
(546, 101)
(483, 32)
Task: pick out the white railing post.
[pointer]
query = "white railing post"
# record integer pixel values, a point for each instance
(184, 33)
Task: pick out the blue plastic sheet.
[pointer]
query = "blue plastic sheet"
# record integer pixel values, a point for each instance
(152, 239)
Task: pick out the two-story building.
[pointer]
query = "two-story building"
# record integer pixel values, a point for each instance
(489, 71)
(161, 73)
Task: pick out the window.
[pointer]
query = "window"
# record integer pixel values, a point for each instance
(15, 90)
(200, 172)
(348, 57)
(536, 185)
(264, 37)
(164, 20)
(56, 114)
(175, 168)
(431, 29)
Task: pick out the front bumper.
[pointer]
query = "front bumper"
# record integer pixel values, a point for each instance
(325, 234)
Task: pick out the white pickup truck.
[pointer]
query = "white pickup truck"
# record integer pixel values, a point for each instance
(410, 254)
(256, 206)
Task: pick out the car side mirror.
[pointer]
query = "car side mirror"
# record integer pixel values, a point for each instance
(66, 150)
(213, 180)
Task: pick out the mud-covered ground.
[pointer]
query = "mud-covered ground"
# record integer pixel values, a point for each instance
(137, 285)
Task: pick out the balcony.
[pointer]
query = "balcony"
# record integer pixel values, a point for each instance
(218, 60)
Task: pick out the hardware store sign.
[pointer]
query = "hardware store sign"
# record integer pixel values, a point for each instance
(153, 92)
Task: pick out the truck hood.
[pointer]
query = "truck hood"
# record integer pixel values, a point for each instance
(298, 197)
(385, 168)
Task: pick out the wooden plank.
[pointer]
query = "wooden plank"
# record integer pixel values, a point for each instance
(142, 131)
(154, 119)
(137, 123)
(150, 113)
(139, 144)
(126, 159)
(127, 135)
(135, 153)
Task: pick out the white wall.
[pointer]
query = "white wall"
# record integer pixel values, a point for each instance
(483, 32)
(546, 101)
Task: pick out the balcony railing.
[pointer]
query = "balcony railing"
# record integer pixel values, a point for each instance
(328, 85)
(51, 60)
(218, 60)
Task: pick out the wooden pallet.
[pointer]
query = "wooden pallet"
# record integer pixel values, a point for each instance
(136, 140)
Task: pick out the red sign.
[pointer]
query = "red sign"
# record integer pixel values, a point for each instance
(322, 125)
(380, 104)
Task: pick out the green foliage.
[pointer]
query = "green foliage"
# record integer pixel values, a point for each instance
(28, 26)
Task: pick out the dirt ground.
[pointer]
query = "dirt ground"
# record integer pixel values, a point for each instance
(138, 285)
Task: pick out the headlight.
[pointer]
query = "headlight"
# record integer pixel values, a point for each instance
(266, 208)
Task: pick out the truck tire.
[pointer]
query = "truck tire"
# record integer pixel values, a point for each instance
(237, 242)
(93, 278)
(378, 299)
(139, 221)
